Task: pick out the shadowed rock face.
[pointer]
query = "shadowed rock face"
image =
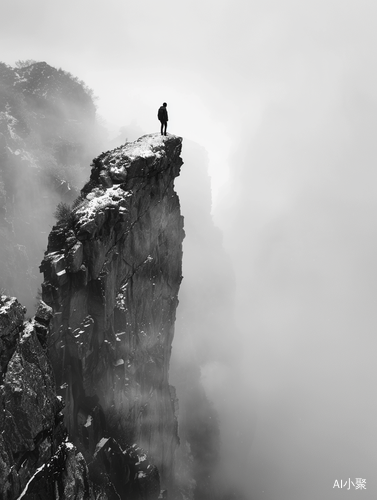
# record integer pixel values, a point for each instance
(36, 460)
(112, 272)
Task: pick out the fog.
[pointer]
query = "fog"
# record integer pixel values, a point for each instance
(46, 149)
(282, 97)
(299, 221)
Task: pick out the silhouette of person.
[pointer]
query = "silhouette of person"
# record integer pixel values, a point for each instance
(163, 117)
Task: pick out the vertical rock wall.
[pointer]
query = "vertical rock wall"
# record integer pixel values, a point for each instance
(112, 272)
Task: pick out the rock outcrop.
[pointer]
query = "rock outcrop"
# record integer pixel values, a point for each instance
(36, 459)
(112, 272)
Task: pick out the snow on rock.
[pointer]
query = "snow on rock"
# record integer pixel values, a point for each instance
(89, 421)
(11, 321)
(135, 159)
(10, 121)
(142, 458)
(6, 305)
(100, 445)
(148, 147)
(33, 430)
(100, 199)
(33, 477)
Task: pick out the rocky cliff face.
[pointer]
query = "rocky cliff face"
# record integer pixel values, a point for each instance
(36, 460)
(112, 272)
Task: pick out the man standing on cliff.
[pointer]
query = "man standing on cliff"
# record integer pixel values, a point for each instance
(162, 115)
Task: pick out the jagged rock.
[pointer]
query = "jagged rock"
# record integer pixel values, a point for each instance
(74, 476)
(35, 461)
(105, 179)
(109, 467)
(64, 476)
(43, 313)
(114, 297)
(145, 478)
(75, 257)
(11, 320)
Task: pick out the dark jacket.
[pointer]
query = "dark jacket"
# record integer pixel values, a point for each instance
(162, 114)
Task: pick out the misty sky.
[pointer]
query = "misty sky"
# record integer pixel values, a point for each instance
(283, 96)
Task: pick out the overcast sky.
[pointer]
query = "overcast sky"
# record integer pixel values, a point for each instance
(219, 64)
(282, 95)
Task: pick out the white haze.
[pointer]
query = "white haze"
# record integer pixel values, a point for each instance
(283, 97)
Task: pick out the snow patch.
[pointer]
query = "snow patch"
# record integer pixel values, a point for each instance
(99, 199)
(24, 492)
(8, 303)
(101, 443)
(142, 458)
(89, 421)
(119, 362)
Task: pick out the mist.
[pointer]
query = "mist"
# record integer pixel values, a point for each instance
(48, 134)
(299, 220)
(298, 216)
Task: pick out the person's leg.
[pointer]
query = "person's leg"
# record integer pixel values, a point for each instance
(165, 125)
(162, 127)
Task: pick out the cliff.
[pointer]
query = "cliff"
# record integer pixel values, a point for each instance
(36, 460)
(112, 272)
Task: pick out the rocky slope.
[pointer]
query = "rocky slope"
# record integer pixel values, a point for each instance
(112, 272)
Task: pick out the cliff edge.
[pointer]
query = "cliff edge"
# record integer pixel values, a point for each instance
(112, 272)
